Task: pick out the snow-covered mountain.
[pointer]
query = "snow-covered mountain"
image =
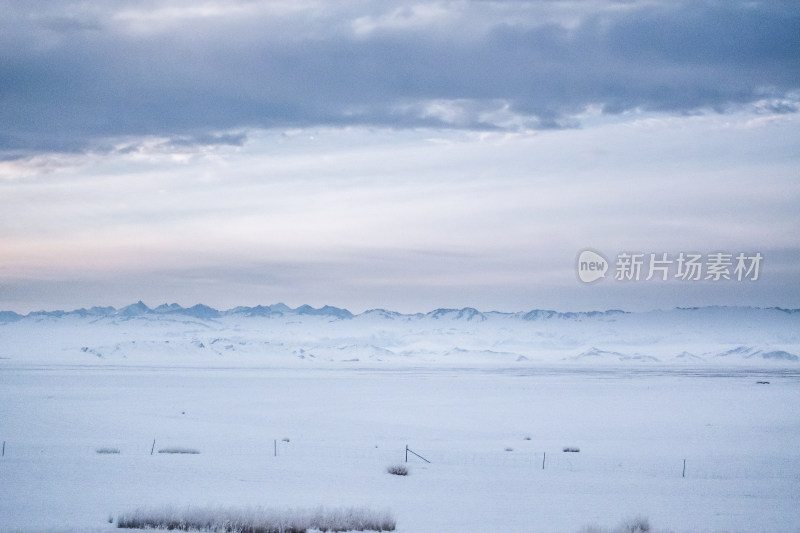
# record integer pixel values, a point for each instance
(278, 335)
(139, 309)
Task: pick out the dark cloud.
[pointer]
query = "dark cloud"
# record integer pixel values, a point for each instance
(69, 78)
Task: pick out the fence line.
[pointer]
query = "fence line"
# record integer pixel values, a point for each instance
(708, 465)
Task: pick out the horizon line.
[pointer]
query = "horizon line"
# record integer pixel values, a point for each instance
(280, 307)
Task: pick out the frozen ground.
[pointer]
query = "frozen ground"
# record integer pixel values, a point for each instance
(487, 400)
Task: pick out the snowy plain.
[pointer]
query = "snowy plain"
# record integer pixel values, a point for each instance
(302, 408)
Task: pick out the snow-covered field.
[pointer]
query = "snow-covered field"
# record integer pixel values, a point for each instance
(307, 408)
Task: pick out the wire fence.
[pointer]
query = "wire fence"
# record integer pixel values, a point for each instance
(709, 465)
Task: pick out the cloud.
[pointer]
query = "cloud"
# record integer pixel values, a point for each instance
(413, 17)
(209, 139)
(414, 220)
(362, 152)
(75, 75)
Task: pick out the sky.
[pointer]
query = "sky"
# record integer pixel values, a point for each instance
(400, 155)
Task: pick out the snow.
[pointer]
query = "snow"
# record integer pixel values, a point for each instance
(277, 336)
(338, 398)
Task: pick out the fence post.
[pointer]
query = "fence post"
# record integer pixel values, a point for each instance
(153, 448)
(4, 449)
(406, 452)
(275, 445)
(684, 468)
(544, 456)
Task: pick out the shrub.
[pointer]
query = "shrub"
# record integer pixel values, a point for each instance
(176, 449)
(397, 470)
(570, 449)
(107, 450)
(258, 520)
(638, 524)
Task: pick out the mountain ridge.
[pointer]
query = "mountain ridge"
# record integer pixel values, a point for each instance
(202, 311)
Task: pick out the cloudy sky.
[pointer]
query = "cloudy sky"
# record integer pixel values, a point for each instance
(406, 155)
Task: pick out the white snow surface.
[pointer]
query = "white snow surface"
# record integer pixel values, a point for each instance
(304, 408)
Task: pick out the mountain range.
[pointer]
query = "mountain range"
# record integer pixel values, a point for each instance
(201, 311)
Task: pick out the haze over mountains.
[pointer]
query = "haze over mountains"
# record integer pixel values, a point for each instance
(278, 335)
(280, 309)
